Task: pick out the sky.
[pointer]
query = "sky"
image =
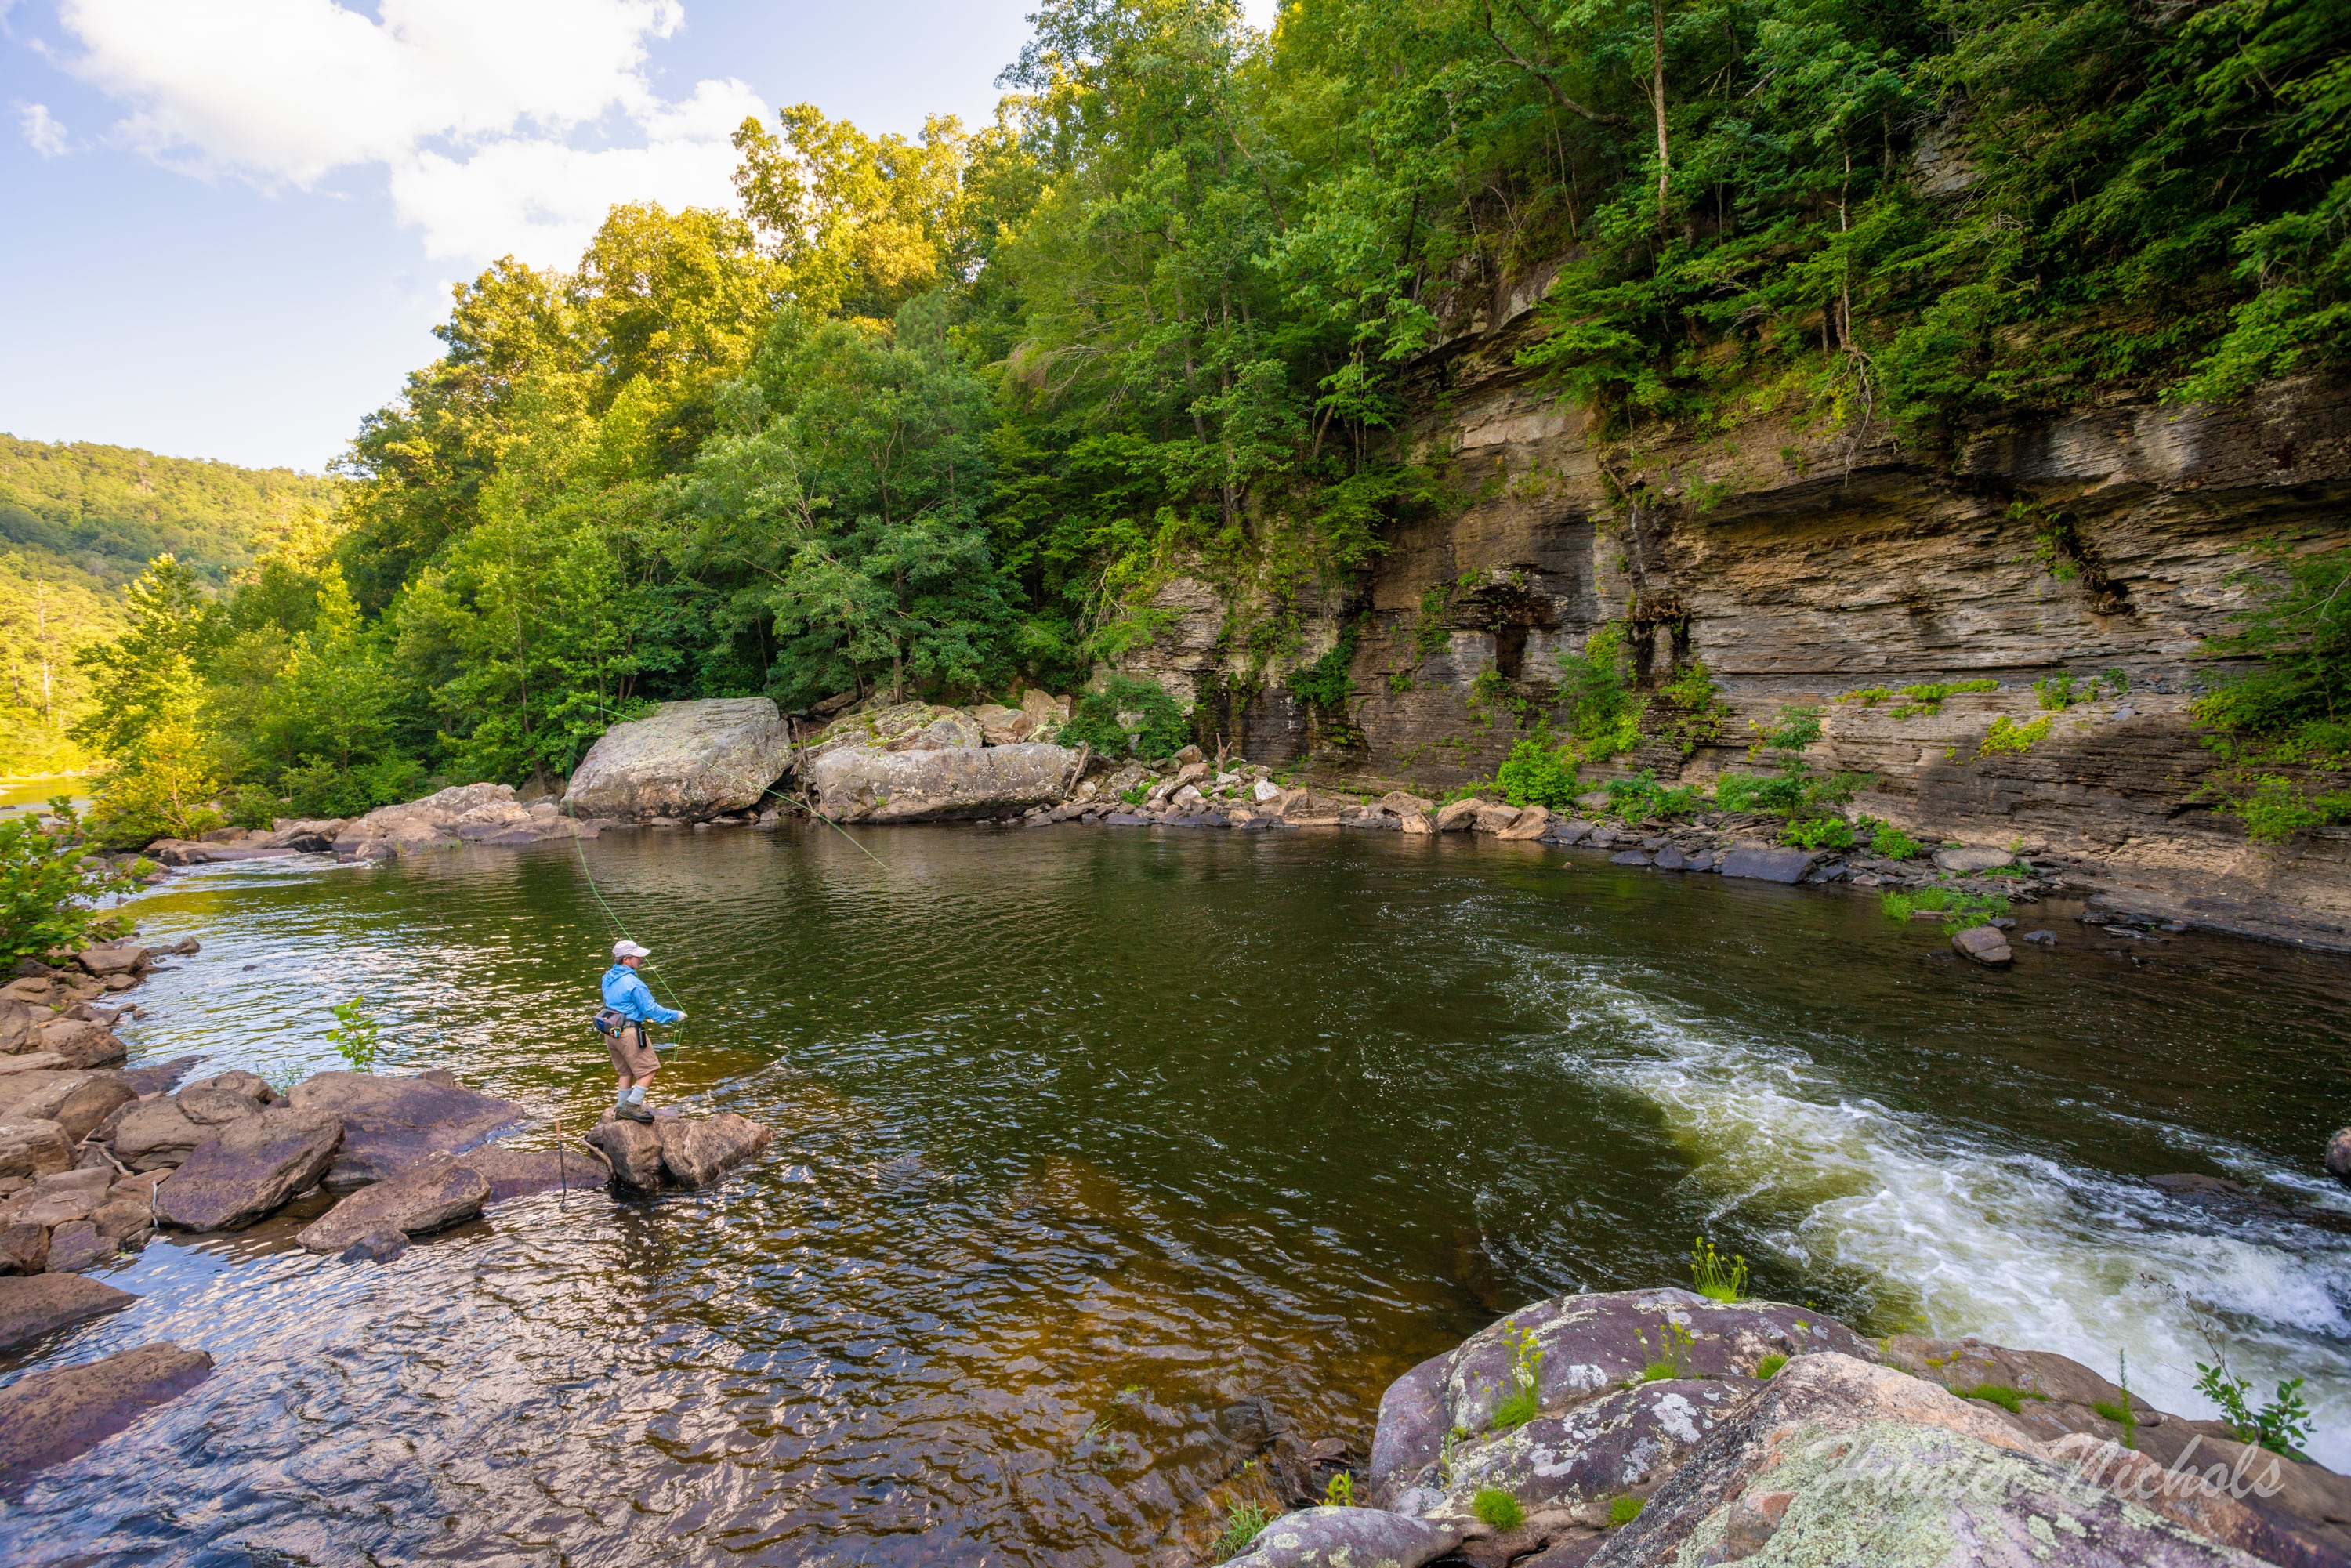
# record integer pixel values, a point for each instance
(231, 224)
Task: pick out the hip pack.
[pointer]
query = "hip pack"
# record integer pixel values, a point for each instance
(610, 1020)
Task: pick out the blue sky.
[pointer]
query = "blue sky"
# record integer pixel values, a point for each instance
(232, 224)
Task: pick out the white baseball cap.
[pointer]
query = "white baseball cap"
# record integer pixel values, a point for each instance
(624, 948)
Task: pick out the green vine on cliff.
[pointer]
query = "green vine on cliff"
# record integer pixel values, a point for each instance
(2283, 730)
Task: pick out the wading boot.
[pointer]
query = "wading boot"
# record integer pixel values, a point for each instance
(634, 1112)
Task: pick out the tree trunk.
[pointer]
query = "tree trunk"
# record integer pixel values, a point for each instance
(1657, 102)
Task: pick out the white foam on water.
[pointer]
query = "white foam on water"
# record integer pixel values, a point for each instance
(2011, 1246)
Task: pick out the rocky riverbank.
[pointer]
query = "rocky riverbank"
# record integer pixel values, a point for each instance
(96, 1158)
(1663, 1427)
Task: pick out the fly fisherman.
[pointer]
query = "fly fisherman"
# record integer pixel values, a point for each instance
(632, 1050)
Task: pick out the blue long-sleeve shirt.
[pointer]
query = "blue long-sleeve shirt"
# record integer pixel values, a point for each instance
(625, 993)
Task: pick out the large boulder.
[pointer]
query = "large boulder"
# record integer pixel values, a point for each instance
(47, 1417)
(250, 1168)
(1348, 1537)
(1581, 1458)
(17, 1032)
(155, 1134)
(391, 1123)
(685, 759)
(633, 1147)
(427, 1198)
(1588, 1344)
(867, 784)
(30, 1308)
(1838, 1460)
(698, 1150)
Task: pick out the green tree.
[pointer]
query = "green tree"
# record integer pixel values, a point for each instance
(147, 674)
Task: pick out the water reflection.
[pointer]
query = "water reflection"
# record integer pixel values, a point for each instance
(1085, 1134)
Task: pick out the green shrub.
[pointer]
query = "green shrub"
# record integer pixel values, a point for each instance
(1159, 728)
(1928, 696)
(1624, 1509)
(1326, 683)
(1794, 792)
(1896, 906)
(1819, 833)
(316, 788)
(252, 805)
(354, 1035)
(1641, 799)
(2281, 1426)
(1792, 729)
(1498, 1508)
(1769, 1364)
(1538, 773)
(1895, 844)
(50, 886)
(1604, 711)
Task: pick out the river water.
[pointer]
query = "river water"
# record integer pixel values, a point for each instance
(1084, 1133)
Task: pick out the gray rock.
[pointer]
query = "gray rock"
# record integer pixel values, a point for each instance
(227, 1097)
(862, 784)
(1838, 1461)
(1962, 862)
(2041, 938)
(391, 1123)
(1567, 831)
(47, 1417)
(1984, 943)
(1769, 865)
(154, 1134)
(250, 1168)
(1349, 1538)
(949, 729)
(1583, 1457)
(24, 1248)
(698, 1150)
(2339, 1154)
(1590, 1344)
(685, 759)
(421, 1199)
(1629, 857)
(1670, 858)
(30, 1308)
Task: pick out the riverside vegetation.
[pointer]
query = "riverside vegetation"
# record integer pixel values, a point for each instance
(940, 416)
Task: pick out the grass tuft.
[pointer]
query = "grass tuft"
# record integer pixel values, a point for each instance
(1498, 1508)
(1768, 1365)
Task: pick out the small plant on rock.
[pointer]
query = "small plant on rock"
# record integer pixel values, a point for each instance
(1716, 1278)
(1624, 1509)
(2009, 1399)
(1670, 1359)
(1521, 1405)
(1498, 1508)
(1340, 1491)
(355, 1035)
(1894, 844)
(2281, 1426)
(1819, 833)
(1244, 1522)
(1769, 1364)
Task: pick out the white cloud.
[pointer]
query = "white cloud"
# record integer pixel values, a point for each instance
(42, 133)
(476, 109)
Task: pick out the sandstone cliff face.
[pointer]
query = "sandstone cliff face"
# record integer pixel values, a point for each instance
(1801, 567)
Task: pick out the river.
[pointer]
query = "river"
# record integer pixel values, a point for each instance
(1085, 1132)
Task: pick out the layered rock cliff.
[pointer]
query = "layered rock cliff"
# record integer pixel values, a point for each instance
(1803, 566)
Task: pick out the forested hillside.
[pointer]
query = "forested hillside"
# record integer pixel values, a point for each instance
(941, 414)
(78, 522)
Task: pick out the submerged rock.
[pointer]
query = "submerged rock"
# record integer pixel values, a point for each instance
(864, 784)
(1984, 945)
(424, 1198)
(47, 1417)
(391, 1123)
(250, 1168)
(517, 1173)
(685, 759)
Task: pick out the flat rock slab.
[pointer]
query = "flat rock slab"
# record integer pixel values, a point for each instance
(250, 1169)
(698, 1150)
(1769, 865)
(1349, 1538)
(1590, 1344)
(419, 1200)
(518, 1173)
(685, 759)
(32, 1307)
(391, 1123)
(47, 1417)
(82, 1043)
(1985, 944)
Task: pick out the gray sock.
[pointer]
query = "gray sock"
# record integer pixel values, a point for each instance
(636, 1096)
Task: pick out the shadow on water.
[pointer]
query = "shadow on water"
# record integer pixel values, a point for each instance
(1084, 1133)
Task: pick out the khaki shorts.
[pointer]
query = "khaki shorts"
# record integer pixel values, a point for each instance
(632, 1054)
